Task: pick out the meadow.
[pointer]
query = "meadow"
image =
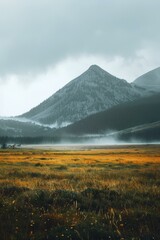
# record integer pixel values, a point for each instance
(88, 194)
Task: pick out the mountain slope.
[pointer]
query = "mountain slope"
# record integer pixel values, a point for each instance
(14, 128)
(120, 117)
(150, 80)
(147, 132)
(93, 91)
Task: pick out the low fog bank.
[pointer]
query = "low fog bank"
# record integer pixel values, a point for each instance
(94, 143)
(78, 142)
(142, 134)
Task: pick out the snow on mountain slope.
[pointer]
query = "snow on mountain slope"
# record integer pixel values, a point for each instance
(93, 91)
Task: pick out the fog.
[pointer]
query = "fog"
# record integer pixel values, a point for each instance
(94, 142)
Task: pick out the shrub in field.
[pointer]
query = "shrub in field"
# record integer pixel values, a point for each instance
(9, 191)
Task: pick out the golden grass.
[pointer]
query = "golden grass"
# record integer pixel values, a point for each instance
(77, 170)
(85, 181)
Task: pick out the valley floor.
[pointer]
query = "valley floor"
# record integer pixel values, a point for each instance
(83, 192)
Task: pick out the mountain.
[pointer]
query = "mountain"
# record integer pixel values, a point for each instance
(121, 117)
(93, 91)
(149, 80)
(15, 128)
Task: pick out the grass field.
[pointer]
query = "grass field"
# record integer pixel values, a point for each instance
(94, 194)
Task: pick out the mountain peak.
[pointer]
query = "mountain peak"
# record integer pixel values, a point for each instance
(95, 68)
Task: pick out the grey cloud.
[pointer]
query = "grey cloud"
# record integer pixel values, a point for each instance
(36, 34)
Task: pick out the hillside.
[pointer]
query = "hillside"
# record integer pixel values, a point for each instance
(123, 116)
(149, 80)
(15, 128)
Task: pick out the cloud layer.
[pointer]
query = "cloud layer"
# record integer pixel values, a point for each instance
(38, 37)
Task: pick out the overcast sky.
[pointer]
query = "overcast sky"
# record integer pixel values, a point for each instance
(46, 43)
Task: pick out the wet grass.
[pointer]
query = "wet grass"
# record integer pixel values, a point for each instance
(89, 195)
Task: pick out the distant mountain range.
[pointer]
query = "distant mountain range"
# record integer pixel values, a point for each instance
(96, 102)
